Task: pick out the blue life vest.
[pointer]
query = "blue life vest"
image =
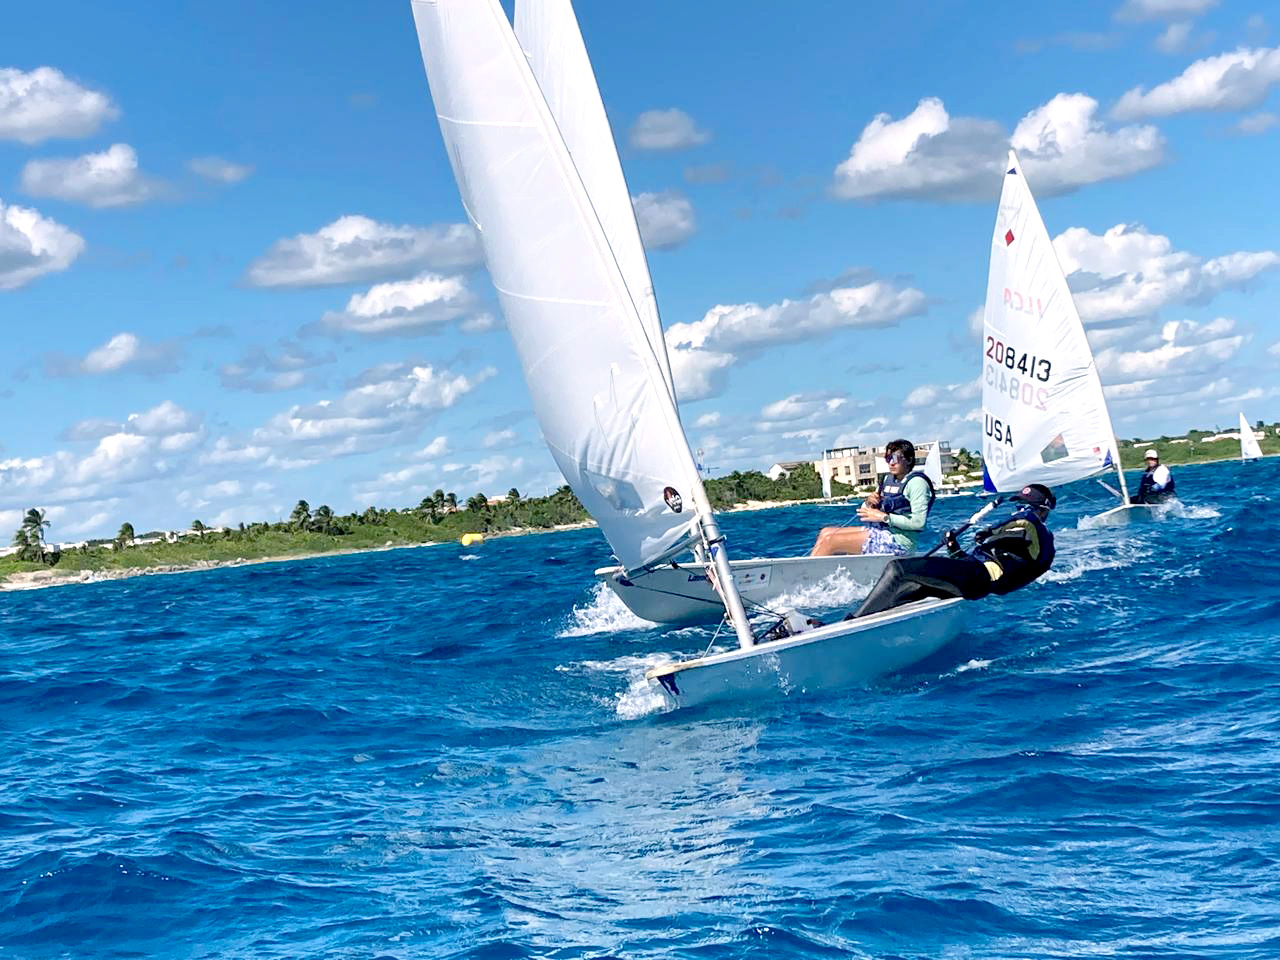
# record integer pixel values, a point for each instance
(894, 500)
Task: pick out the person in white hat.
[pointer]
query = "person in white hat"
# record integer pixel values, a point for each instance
(1156, 485)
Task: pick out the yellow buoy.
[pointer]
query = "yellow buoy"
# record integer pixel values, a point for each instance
(468, 539)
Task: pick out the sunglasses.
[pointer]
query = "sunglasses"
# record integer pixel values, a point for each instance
(892, 457)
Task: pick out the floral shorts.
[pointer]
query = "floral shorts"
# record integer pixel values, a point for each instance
(881, 543)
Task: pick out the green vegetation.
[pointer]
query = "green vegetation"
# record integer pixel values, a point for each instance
(436, 519)
(1195, 447)
(803, 484)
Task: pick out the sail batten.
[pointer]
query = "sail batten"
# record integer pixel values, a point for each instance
(1045, 417)
(600, 394)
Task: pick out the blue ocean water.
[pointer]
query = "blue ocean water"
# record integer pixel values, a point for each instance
(441, 752)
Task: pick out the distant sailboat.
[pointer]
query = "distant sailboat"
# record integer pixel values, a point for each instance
(1249, 447)
(522, 135)
(1045, 419)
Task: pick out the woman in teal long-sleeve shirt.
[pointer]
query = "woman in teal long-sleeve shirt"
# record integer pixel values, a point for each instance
(897, 511)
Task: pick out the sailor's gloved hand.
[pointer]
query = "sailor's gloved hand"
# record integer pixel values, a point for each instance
(952, 544)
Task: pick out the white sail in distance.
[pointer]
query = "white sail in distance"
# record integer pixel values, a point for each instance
(552, 41)
(933, 465)
(1045, 419)
(598, 392)
(1249, 446)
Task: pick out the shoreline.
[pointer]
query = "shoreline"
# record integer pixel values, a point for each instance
(52, 577)
(41, 579)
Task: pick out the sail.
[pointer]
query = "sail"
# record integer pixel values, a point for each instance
(548, 32)
(1045, 419)
(597, 390)
(1249, 447)
(933, 465)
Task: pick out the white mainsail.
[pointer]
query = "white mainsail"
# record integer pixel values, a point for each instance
(1044, 416)
(1249, 446)
(597, 387)
(594, 380)
(549, 34)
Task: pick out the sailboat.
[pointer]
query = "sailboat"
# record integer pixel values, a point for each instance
(1249, 447)
(518, 131)
(1045, 419)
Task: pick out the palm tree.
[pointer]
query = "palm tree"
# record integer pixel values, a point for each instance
(301, 515)
(513, 495)
(22, 543)
(33, 526)
(199, 528)
(323, 519)
(125, 536)
(371, 516)
(451, 501)
(477, 503)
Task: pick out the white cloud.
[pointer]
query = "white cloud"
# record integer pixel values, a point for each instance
(356, 249)
(262, 370)
(666, 130)
(436, 448)
(698, 374)
(500, 438)
(1228, 81)
(707, 420)
(799, 407)
(666, 219)
(107, 179)
(1128, 272)
(932, 155)
(1140, 10)
(389, 404)
(218, 170)
(163, 420)
(404, 308)
(1274, 349)
(44, 104)
(94, 428)
(32, 245)
(1176, 37)
(1256, 123)
(124, 353)
(702, 351)
(750, 326)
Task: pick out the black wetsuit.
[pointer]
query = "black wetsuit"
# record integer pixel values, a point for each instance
(1005, 557)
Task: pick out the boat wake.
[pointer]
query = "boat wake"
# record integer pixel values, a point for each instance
(641, 698)
(604, 612)
(1077, 556)
(830, 593)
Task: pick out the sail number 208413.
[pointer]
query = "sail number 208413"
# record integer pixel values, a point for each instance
(1012, 359)
(1026, 391)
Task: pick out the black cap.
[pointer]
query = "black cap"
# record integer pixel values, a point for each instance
(1038, 495)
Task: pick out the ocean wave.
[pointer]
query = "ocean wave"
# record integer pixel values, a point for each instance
(604, 612)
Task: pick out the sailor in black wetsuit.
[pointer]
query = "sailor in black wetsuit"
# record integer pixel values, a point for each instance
(1005, 557)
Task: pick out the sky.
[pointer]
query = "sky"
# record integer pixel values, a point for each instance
(235, 272)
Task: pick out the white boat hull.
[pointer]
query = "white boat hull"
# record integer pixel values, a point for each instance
(1125, 514)
(682, 594)
(845, 653)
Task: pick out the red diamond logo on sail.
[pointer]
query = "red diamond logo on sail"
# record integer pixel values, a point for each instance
(1008, 237)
